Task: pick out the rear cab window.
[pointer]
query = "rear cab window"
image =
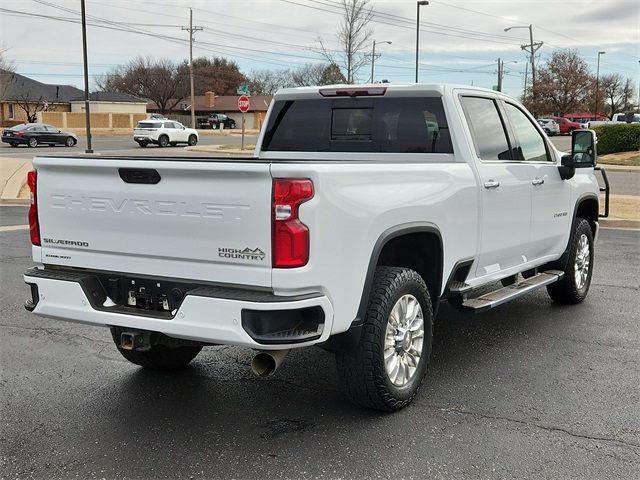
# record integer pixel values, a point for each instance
(383, 124)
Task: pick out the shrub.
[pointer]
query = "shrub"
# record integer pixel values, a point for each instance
(620, 137)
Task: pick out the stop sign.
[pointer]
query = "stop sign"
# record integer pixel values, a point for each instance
(243, 103)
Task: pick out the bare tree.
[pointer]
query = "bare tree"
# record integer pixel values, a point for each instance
(268, 82)
(317, 74)
(31, 106)
(353, 38)
(618, 92)
(7, 67)
(159, 80)
(564, 84)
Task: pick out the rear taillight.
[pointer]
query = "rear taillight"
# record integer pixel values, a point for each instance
(34, 225)
(19, 134)
(290, 240)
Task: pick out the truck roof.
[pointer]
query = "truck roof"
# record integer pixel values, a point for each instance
(401, 89)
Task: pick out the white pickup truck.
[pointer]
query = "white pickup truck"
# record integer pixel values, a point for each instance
(617, 118)
(363, 209)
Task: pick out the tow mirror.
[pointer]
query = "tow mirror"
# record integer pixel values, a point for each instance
(583, 148)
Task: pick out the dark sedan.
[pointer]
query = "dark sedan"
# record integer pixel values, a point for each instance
(34, 134)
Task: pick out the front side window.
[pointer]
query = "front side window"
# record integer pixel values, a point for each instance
(486, 127)
(528, 142)
(390, 125)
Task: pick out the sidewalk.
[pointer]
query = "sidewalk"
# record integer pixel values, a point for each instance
(624, 211)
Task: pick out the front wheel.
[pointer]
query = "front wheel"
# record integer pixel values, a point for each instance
(192, 140)
(574, 286)
(386, 369)
(70, 142)
(158, 357)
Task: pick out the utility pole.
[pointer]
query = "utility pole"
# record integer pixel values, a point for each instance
(191, 29)
(531, 49)
(595, 110)
(87, 113)
(500, 66)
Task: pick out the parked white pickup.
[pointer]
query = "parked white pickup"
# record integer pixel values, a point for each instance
(363, 208)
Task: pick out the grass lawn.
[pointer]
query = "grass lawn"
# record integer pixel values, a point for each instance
(628, 159)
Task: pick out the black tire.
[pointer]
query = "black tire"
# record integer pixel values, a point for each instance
(32, 142)
(163, 141)
(362, 369)
(13, 144)
(159, 357)
(568, 291)
(192, 140)
(70, 141)
(173, 144)
(509, 280)
(142, 144)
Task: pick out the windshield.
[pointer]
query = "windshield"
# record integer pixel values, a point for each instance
(395, 125)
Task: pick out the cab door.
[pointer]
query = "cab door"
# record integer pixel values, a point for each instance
(550, 195)
(505, 189)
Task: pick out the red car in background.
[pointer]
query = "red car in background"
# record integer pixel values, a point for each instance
(566, 125)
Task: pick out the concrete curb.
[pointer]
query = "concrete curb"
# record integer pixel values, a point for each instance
(619, 168)
(619, 223)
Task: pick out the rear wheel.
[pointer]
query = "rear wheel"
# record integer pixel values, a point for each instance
(158, 357)
(192, 140)
(386, 369)
(142, 144)
(574, 286)
(13, 144)
(163, 141)
(33, 142)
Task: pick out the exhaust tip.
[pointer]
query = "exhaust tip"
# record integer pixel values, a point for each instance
(265, 363)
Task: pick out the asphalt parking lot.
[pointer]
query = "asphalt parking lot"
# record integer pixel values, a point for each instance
(529, 390)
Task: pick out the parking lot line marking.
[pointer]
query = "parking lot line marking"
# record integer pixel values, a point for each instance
(13, 228)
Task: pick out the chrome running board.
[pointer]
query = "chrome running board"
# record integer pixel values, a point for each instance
(506, 294)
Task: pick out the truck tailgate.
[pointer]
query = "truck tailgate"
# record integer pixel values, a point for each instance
(203, 220)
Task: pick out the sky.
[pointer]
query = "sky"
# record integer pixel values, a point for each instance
(460, 41)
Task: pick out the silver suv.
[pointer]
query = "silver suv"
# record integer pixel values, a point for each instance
(549, 126)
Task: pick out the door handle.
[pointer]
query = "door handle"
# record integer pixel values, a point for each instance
(491, 184)
(537, 181)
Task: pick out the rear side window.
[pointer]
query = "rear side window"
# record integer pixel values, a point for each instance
(486, 126)
(393, 125)
(149, 125)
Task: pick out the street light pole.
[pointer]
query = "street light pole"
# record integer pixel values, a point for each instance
(373, 58)
(595, 110)
(87, 113)
(418, 5)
